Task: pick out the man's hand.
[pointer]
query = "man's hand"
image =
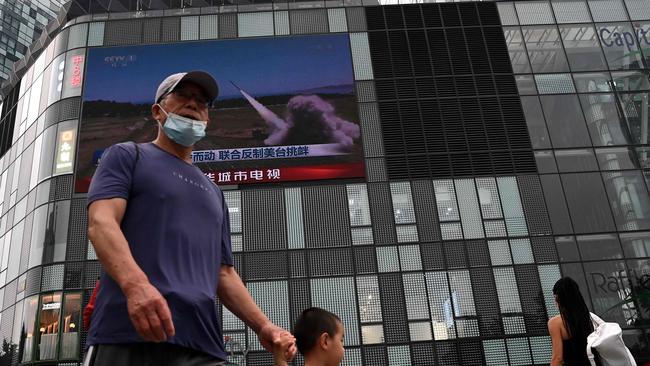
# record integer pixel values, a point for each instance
(272, 337)
(149, 312)
(281, 349)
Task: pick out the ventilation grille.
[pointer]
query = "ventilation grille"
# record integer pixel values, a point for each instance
(447, 98)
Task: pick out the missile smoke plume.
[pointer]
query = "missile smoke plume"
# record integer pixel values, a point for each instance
(308, 120)
(313, 121)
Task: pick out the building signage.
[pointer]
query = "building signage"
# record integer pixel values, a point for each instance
(286, 173)
(615, 38)
(52, 306)
(620, 280)
(65, 151)
(77, 71)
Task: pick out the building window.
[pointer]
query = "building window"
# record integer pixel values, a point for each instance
(545, 49)
(70, 327)
(582, 48)
(48, 326)
(29, 318)
(636, 108)
(359, 210)
(603, 121)
(404, 212)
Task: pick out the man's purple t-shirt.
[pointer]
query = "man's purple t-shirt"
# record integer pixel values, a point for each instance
(176, 223)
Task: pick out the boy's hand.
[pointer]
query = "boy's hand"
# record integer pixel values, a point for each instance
(282, 352)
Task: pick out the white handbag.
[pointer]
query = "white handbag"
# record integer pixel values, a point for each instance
(607, 340)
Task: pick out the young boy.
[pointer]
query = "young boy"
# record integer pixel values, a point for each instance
(319, 336)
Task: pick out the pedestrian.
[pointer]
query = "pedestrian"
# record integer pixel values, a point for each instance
(161, 231)
(319, 336)
(569, 329)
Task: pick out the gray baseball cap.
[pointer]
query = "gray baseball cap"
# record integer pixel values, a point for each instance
(200, 78)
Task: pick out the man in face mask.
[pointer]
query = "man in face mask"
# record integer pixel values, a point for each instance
(161, 231)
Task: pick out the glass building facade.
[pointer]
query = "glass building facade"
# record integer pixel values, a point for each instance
(505, 145)
(21, 22)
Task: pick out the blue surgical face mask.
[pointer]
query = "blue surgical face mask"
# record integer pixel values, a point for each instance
(182, 130)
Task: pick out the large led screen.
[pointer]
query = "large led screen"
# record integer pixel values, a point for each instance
(286, 109)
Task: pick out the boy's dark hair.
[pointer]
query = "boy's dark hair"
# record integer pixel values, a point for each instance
(311, 324)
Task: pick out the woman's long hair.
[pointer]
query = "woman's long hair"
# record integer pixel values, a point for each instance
(573, 309)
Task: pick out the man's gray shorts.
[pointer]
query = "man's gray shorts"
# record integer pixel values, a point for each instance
(147, 354)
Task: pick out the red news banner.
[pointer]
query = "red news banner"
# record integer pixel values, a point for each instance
(285, 174)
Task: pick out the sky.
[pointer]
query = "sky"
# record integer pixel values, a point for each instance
(260, 66)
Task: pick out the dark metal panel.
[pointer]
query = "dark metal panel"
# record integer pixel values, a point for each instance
(486, 301)
(330, 262)
(532, 299)
(308, 21)
(262, 217)
(78, 232)
(381, 212)
(122, 32)
(532, 200)
(266, 265)
(326, 216)
(393, 308)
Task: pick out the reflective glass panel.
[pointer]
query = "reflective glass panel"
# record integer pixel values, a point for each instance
(71, 326)
(535, 122)
(576, 160)
(592, 82)
(610, 291)
(631, 80)
(587, 202)
(57, 227)
(567, 249)
(545, 161)
(565, 121)
(38, 236)
(582, 48)
(526, 84)
(517, 50)
(620, 46)
(599, 247)
(635, 245)
(636, 108)
(642, 30)
(29, 320)
(629, 199)
(603, 120)
(617, 158)
(545, 49)
(47, 158)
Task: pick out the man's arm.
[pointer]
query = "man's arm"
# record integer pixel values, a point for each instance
(235, 296)
(147, 308)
